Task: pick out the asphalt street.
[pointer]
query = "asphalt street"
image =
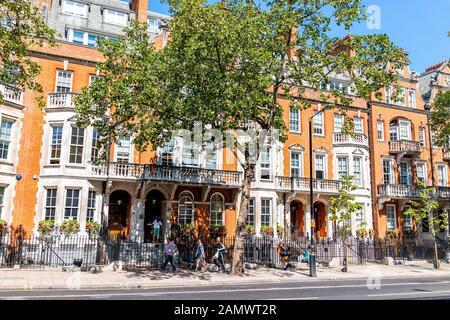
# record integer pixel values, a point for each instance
(357, 289)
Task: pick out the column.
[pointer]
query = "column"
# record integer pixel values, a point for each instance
(137, 219)
(329, 225)
(274, 216)
(166, 207)
(308, 221)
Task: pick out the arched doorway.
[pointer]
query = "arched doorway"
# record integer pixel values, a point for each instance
(153, 209)
(297, 222)
(320, 220)
(119, 212)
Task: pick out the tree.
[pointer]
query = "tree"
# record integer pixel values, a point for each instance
(439, 119)
(21, 28)
(230, 64)
(343, 208)
(423, 210)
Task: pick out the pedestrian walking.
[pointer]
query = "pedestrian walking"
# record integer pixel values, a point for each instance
(169, 252)
(218, 256)
(156, 229)
(283, 251)
(200, 261)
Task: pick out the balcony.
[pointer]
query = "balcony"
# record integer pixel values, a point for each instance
(61, 100)
(442, 192)
(401, 146)
(175, 174)
(302, 184)
(398, 191)
(11, 94)
(358, 139)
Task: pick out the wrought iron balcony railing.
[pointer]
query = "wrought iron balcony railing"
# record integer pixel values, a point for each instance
(61, 100)
(162, 173)
(302, 184)
(11, 94)
(347, 138)
(408, 146)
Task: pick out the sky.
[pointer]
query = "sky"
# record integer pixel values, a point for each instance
(418, 26)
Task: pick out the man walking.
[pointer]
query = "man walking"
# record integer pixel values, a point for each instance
(218, 256)
(169, 252)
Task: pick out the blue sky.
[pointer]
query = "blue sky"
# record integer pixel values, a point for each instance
(418, 26)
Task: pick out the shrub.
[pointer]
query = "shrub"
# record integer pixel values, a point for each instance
(3, 227)
(70, 227)
(93, 227)
(46, 227)
(249, 230)
(267, 231)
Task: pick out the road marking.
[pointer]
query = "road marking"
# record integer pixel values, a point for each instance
(307, 298)
(406, 293)
(144, 294)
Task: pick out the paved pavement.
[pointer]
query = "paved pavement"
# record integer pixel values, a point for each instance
(344, 289)
(11, 279)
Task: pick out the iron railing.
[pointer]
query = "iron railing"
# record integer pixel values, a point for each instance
(407, 146)
(302, 184)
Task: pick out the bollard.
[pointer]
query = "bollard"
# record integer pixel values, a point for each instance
(312, 265)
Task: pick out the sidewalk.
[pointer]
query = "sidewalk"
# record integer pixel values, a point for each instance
(11, 279)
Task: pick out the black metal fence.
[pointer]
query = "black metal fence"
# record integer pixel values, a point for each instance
(85, 251)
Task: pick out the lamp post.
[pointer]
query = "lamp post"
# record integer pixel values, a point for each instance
(431, 223)
(312, 264)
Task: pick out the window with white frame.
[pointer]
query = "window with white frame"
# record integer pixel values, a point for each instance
(76, 145)
(115, 17)
(93, 78)
(319, 166)
(75, 8)
(50, 204)
(72, 204)
(358, 125)
(391, 217)
(388, 171)
(63, 81)
(265, 212)
(185, 208)
(421, 171)
(341, 86)
(380, 130)
(95, 145)
(55, 147)
(447, 80)
(433, 138)
(251, 212)
(388, 95)
(5, 138)
(294, 119)
(90, 213)
(295, 163)
(401, 97)
(405, 173)
(422, 136)
(357, 171)
(360, 218)
(210, 155)
(265, 163)
(167, 153)
(342, 167)
(123, 149)
(318, 124)
(411, 99)
(404, 130)
(338, 122)
(2, 196)
(407, 220)
(190, 154)
(442, 175)
(217, 209)
(152, 25)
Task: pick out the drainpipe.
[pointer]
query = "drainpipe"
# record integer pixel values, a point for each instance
(373, 186)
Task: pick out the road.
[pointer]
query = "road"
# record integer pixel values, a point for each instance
(404, 288)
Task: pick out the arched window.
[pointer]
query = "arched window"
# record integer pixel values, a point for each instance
(186, 208)
(217, 209)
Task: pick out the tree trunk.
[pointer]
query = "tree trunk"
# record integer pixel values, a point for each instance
(237, 264)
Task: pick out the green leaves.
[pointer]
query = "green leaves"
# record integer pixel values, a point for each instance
(439, 119)
(21, 28)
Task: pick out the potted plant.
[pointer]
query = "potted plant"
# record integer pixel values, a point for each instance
(187, 228)
(218, 229)
(280, 230)
(392, 234)
(249, 230)
(46, 227)
(267, 231)
(69, 227)
(3, 227)
(93, 228)
(361, 233)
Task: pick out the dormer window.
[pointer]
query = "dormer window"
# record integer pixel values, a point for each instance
(115, 17)
(75, 8)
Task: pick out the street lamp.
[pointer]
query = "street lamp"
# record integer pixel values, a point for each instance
(312, 264)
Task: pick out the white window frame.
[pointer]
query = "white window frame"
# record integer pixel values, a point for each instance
(111, 16)
(70, 4)
(251, 212)
(71, 206)
(412, 99)
(221, 212)
(360, 216)
(50, 202)
(211, 156)
(6, 137)
(388, 227)
(265, 163)
(294, 120)
(359, 183)
(300, 162)
(388, 94)
(264, 208)
(444, 177)
(59, 74)
(190, 154)
(407, 220)
(391, 170)
(324, 156)
(424, 166)
(52, 144)
(408, 173)
(155, 28)
(422, 139)
(91, 205)
(79, 148)
(401, 97)
(2, 199)
(360, 125)
(408, 127)
(186, 218)
(341, 173)
(120, 145)
(339, 121)
(319, 125)
(380, 129)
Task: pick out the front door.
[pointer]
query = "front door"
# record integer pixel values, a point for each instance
(153, 210)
